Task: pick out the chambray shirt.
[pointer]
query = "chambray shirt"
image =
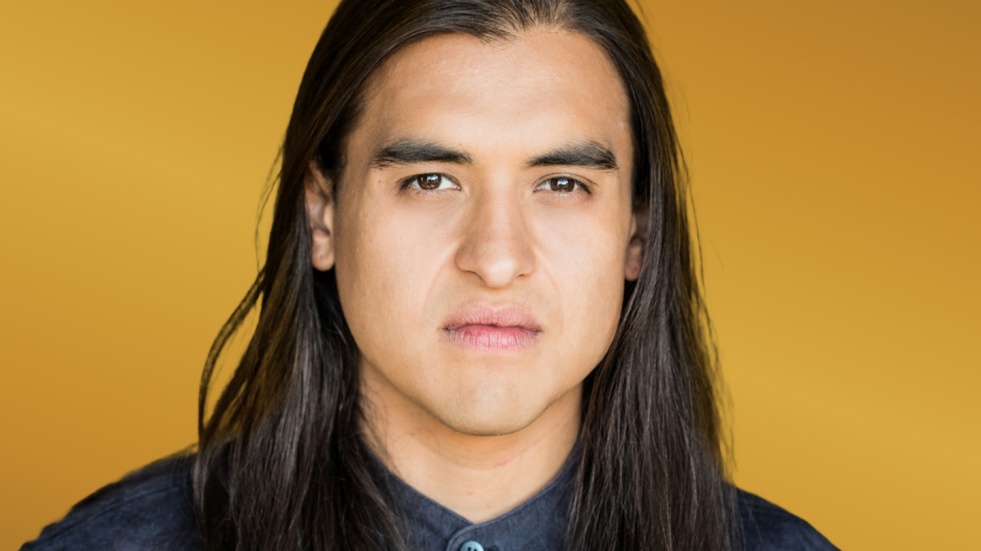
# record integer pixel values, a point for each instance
(153, 509)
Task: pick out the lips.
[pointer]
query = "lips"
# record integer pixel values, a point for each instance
(488, 328)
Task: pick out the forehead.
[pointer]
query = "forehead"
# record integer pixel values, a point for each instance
(543, 85)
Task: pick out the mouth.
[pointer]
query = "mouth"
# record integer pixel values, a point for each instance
(492, 329)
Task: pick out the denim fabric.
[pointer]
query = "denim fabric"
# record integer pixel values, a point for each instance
(539, 523)
(152, 509)
(767, 527)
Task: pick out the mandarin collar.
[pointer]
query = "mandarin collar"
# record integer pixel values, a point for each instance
(539, 523)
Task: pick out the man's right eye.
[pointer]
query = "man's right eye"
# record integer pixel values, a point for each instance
(429, 182)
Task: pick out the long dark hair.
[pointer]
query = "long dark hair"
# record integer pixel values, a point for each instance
(281, 463)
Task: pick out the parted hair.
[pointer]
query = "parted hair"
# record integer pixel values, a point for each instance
(281, 463)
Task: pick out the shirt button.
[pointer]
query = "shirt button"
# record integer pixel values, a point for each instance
(471, 546)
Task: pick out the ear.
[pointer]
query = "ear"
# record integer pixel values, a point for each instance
(639, 222)
(320, 214)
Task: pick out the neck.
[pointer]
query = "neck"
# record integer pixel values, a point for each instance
(476, 477)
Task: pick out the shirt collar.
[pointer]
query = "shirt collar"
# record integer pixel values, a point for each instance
(539, 523)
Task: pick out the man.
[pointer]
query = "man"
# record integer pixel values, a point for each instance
(479, 326)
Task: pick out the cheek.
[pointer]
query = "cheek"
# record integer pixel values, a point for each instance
(386, 268)
(584, 259)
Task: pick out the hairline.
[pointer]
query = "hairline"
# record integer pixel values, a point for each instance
(360, 97)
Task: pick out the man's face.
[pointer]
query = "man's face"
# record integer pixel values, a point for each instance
(482, 226)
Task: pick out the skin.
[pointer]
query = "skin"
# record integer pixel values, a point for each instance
(477, 416)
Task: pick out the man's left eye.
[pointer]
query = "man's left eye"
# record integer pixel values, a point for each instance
(561, 184)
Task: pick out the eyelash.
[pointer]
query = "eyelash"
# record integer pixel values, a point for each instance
(414, 182)
(576, 184)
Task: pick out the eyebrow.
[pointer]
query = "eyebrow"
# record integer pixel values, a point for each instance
(584, 154)
(410, 150)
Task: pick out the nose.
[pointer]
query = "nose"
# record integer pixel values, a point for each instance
(497, 243)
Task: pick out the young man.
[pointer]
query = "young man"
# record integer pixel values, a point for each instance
(479, 326)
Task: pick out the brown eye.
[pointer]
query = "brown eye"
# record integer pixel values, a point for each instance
(428, 182)
(561, 184)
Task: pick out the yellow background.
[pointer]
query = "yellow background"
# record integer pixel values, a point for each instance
(834, 150)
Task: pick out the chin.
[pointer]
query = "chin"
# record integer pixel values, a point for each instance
(495, 421)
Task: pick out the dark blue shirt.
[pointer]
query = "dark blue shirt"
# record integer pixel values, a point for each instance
(153, 509)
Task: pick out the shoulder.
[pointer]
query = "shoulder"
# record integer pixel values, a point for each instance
(767, 527)
(152, 508)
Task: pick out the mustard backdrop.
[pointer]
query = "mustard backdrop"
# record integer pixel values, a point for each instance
(834, 152)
